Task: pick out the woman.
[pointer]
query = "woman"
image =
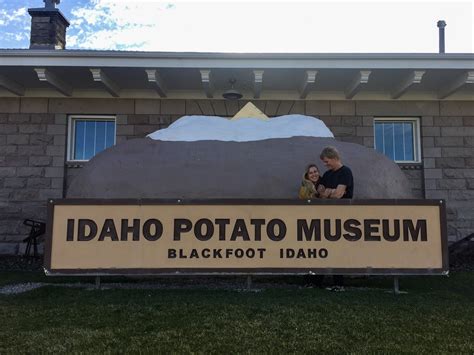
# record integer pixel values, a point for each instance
(310, 183)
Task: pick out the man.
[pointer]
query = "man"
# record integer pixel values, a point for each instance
(337, 182)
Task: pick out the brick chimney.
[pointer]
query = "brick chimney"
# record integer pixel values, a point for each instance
(48, 27)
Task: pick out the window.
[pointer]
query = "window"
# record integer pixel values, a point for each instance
(398, 138)
(89, 136)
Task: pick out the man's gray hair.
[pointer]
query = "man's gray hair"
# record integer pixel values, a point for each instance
(330, 153)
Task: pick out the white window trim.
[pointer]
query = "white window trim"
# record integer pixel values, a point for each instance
(70, 131)
(416, 134)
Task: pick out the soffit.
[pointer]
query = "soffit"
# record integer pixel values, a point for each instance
(287, 74)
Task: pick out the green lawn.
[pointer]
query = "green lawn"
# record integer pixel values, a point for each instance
(436, 315)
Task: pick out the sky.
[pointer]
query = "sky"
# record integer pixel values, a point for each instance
(252, 26)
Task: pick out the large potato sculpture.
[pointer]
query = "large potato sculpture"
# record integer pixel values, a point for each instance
(201, 157)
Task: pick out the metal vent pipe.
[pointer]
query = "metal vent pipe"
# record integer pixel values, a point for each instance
(441, 26)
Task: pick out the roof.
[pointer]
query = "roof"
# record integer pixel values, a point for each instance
(430, 76)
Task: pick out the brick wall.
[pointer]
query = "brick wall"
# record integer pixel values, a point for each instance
(449, 164)
(32, 146)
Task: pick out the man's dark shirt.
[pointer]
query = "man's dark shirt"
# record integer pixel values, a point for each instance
(342, 176)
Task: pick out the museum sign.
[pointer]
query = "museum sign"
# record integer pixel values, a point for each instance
(387, 237)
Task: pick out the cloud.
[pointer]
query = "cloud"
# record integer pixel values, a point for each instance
(108, 40)
(14, 26)
(106, 24)
(264, 26)
(8, 17)
(14, 36)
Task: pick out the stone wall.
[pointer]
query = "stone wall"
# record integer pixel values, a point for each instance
(32, 150)
(449, 163)
(33, 146)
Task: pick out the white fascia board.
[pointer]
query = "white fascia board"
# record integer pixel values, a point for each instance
(222, 60)
(220, 55)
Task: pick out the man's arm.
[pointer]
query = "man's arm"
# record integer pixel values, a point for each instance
(336, 193)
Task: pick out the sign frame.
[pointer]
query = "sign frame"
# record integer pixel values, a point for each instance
(51, 203)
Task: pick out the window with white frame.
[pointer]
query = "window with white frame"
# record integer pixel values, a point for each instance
(398, 138)
(89, 135)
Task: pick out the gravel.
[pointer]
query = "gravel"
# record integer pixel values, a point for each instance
(461, 261)
(209, 284)
(20, 263)
(20, 288)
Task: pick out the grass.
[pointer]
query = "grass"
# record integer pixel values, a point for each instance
(436, 315)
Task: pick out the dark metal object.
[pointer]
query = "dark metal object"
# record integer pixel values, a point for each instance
(51, 4)
(396, 285)
(37, 230)
(441, 26)
(249, 282)
(232, 94)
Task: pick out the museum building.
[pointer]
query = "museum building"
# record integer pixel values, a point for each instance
(59, 108)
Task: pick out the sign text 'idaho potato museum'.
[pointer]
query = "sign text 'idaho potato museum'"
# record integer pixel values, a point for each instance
(246, 236)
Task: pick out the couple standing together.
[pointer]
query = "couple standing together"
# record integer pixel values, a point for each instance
(337, 182)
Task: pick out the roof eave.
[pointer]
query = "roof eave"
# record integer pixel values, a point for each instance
(87, 58)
